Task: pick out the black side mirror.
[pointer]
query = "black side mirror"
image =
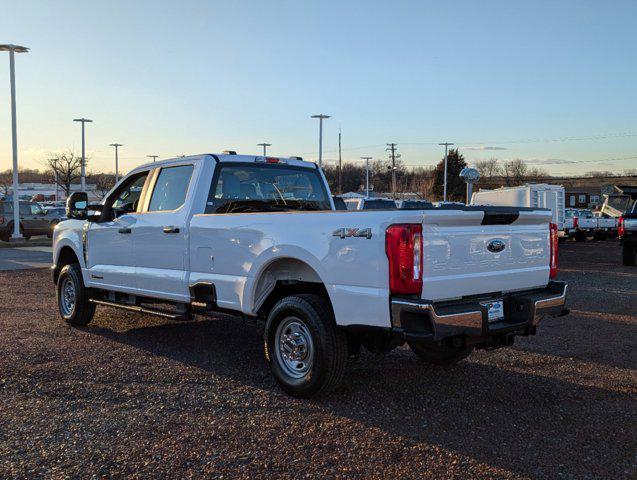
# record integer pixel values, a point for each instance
(77, 206)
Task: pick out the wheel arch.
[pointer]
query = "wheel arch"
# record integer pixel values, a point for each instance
(283, 276)
(65, 255)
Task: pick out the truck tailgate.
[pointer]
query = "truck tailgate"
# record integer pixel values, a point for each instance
(469, 253)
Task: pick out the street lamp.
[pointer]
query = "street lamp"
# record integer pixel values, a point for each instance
(116, 145)
(264, 145)
(12, 49)
(154, 157)
(83, 171)
(321, 117)
(444, 194)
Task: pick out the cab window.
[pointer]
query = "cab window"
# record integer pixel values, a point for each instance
(126, 199)
(171, 188)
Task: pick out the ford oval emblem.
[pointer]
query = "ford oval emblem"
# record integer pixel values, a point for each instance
(496, 246)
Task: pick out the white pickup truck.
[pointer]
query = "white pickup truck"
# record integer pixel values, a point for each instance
(259, 237)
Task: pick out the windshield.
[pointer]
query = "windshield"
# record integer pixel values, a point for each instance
(266, 187)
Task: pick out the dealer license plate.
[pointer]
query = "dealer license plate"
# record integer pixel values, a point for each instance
(495, 309)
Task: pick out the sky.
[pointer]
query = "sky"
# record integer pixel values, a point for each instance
(553, 83)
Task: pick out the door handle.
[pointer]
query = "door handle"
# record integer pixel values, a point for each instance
(124, 230)
(171, 229)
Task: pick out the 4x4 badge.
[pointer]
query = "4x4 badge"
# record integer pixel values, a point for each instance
(353, 232)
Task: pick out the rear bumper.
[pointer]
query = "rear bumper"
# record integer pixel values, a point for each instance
(523, 311)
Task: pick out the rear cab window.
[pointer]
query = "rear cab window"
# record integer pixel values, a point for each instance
(170, 188)
(254, 187)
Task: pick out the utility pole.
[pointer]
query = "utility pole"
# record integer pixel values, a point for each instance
(340, 163)
(83, 170)
(321, 117)
(116, 145)
(13, 49)
(264, 145)
(444, 194)
(392, 149)
(154, 157)
(367, 159)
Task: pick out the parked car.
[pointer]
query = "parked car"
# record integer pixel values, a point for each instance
(627, 230)
(574, 227)
(238, 234)
(363, 203)
(606, 226)
(33, 220)
(55, 215)
(414, 204)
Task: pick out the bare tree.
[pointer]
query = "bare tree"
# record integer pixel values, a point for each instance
(103, 182)
(65, 169)
(514, 171)
(536, 174)
(6, 183)
(488, 168)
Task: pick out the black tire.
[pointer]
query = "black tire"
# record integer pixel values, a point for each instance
(76, 311)
(439, 354)
(628, 256)
(580, 237)
(326, 351)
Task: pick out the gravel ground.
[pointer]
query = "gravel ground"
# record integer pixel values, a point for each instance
(135, 396)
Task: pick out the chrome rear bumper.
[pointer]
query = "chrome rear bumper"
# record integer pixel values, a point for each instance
(434, 322)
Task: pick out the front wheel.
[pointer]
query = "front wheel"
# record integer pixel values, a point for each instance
(628, 255)
(439, 354)
(305, 349)
(72, 297)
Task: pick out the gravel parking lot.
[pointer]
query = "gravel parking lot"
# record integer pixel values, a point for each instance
(136, 396)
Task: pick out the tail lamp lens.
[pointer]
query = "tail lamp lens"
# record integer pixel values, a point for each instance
(554, 242)
(621, 229)
(403, 246)
(575, 222)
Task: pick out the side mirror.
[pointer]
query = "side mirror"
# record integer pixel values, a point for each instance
(77, 206)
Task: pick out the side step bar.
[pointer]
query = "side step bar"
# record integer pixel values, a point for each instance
(139, 309)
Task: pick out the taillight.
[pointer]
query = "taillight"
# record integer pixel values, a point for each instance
(575, 222)
(403, 246)
(554, 243)
(621, 229)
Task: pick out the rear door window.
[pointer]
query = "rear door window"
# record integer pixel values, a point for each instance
(171, 188)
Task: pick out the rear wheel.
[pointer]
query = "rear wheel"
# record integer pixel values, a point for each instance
(628, 255)
(72, 297)
(305, 349)
(580, 236)
(439, 354)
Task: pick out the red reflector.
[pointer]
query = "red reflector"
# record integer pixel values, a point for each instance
(403, 246)
(272, 160)
(621, 229)
(553, 258)
(575, 222)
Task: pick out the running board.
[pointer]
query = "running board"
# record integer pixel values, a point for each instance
(138, 309)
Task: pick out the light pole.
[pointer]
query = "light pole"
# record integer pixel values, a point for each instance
(12, 49)
(54, 162)
(83, 171)
(264, 145)
(154, 157)
(367, 159)
(444, 194)
(116, 145)
(321, 117)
